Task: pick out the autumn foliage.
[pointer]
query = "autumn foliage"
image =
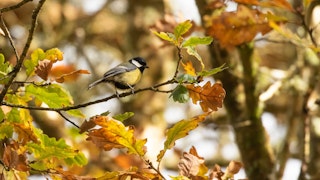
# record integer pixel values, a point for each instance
(37, 80)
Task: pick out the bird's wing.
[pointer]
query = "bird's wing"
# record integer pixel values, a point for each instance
(119, 70)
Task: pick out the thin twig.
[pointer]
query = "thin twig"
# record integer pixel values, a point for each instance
(67, 108)
(16, 6)
(17, 68)
(180, 56)
(7, 33)
(64, 117)
(149, 163)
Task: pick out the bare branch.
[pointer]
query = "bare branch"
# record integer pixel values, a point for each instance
(6, 9)
(64, 117)
(153, 88)
(17, 68)
(7, 34)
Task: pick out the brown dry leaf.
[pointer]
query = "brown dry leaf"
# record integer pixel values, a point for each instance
(216, 4)
(235, 28)
(167, 24)
(189, 165)
(232, 169)
(209, 97)
(68, 175)
(216, 173)
(192, 165)
(188, 67)
(12, 159)
(86, 125)
(249, 2)
(43, 68)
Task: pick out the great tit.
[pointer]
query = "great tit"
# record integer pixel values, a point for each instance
(124, 76)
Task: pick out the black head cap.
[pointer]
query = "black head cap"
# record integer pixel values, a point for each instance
(141, 61)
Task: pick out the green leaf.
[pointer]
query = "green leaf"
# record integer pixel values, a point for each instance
(182, 28)
(14, 116)
(37, 55)
(6, 130)
(178, 131)
(180, 94)
(165, 36)
(212, 71)
(49, 149)
(53, 95)
(191, 50)
(194, 41)
(31, 64)
(76, 113)
(311, 57)
(5, 68)
(123, 117)
(186, 78)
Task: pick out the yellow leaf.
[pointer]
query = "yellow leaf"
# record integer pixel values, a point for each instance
(180, 130)
(209, 97)
(113, 134)
(188, 67)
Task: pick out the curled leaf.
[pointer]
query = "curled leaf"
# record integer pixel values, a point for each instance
(191, 164)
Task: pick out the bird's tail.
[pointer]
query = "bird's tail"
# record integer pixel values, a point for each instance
(95, 83)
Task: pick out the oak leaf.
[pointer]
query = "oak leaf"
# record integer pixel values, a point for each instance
(191, 164)
(180, 130)
(113, 134)
(12, 159)
(235, 28)
(188, 67)
(209, 97)
(43, 68)
(66, 73)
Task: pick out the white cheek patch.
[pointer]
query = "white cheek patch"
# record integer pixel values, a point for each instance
(136, 63)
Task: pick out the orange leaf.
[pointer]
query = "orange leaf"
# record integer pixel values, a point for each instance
(113, 134)
(71, 76)
(25, 133)
(43, 68)
(284, 4)
(241, 26)
(209, 97)
(249, 2)
(66, 73)
(188, 67)
(12, 159)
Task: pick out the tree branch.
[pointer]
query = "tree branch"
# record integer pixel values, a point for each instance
(7, 34)
(17, 68)
(67, 108)
(16, 6)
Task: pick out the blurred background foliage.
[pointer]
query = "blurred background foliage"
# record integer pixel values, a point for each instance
(98, 34)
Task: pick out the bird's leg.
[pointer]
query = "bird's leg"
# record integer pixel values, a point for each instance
(117, 93)
(132, 89)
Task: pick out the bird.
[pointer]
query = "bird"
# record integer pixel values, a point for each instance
(125, 75)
